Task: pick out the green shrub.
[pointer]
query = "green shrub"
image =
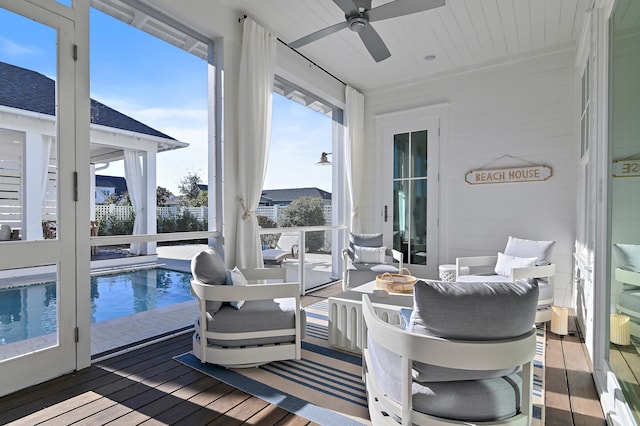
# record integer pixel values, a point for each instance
(268, 240)
(306, 211)
(182, 222)
(166, 224)
(111, 224)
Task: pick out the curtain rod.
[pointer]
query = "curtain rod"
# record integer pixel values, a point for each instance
(309, 60)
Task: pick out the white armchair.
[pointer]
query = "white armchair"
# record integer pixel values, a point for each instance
(522, 260)
(466, 357)
(268, 326)
(627, 273)
(365, 258)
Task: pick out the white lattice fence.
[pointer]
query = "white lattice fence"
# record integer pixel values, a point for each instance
(273, 212)
(124, 212)
(112, 210)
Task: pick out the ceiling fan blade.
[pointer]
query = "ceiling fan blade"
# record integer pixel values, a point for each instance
(347, 6)
(401, 7)
(374, 44)
(318, 35)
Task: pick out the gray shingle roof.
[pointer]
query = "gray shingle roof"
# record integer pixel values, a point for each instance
(28, 90)
(288, 195)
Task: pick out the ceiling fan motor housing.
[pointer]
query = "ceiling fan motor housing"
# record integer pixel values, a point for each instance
(357, 23)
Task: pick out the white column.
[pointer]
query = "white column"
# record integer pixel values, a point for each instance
(92, 192)
(149, 200)
(32, 195)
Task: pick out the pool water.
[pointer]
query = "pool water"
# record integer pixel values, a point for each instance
(31, 311)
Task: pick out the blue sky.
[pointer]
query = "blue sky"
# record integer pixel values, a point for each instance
(165, 88)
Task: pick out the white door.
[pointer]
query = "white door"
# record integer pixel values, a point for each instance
(37, 160)
(410, 200)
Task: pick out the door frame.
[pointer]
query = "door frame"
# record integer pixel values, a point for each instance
(66, 252)
(408, 120)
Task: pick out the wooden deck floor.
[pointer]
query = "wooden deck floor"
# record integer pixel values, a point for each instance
(147, 386)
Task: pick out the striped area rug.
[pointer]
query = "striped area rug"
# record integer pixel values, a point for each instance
(538, 376)
(325, 386)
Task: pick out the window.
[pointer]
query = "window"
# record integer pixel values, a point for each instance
(410, 195)
(298, 191)
(586, 186)
(150, 97)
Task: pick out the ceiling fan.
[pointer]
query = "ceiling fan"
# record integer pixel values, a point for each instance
(358, 17)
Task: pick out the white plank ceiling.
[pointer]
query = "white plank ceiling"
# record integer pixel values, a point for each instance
(462, 35)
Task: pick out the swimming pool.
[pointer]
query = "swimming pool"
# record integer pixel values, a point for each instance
(31, 311)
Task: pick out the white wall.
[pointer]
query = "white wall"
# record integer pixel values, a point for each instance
(525, 109)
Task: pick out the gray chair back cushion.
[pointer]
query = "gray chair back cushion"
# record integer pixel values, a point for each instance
(483, 311)
(208, 268)
(365, 240)
(471, 311)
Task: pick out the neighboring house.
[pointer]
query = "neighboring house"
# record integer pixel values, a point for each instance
(284, 197)
(109, 185)
(28, 132)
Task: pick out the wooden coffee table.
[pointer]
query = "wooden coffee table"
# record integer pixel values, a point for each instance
(345, 314)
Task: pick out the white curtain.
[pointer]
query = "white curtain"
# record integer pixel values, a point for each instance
(354, 152)
(133, 176)
(257, 66)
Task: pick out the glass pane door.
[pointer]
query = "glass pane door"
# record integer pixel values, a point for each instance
(622, 348)
(410, 196)
(410, 205)
(37, 280)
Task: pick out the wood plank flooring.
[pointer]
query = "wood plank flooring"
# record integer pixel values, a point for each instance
(625, 362)
(146, 386)
(571, 397)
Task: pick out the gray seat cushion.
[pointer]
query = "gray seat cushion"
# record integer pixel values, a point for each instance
(473, 278)
(545, 290)
(630, 299)
(487, 399)
(362, 273)
(256, 315)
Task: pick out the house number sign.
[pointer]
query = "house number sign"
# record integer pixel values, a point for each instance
(508, 175)
(626, 168)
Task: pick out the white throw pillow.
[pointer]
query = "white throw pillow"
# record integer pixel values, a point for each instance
(237, 279)
(369, 254)
(505, 263)
(627, 256)
(541, 250)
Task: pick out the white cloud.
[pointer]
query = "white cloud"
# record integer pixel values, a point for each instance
(11, 48)
(295, 147)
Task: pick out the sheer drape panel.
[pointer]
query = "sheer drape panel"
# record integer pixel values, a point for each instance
(133, 176)
(257, 66)
(354, 152)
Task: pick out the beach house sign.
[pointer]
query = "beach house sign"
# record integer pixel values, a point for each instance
(626, 168)
(508, 175)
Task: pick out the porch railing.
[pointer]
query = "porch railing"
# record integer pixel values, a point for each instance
(123, 212)
(336, 232)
